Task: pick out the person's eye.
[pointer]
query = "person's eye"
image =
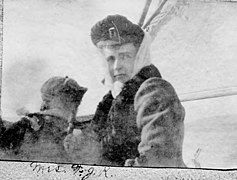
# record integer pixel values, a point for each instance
(124, 56)
(110, 58)
(128, 56)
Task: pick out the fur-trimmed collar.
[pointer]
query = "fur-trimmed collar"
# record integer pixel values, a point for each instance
(130, 87)
(126, 96)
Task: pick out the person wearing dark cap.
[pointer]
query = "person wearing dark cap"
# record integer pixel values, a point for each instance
(40, 135)
(126, 51)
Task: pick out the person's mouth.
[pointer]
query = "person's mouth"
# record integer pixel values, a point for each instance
(118, 76)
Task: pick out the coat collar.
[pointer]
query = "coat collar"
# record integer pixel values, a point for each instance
(131, 87)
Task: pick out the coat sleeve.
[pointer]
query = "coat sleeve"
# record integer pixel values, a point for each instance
(99, 121)
(13, 135)
(82, 146)
(160, 118)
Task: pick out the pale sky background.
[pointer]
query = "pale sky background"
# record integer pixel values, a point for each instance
(195, 51)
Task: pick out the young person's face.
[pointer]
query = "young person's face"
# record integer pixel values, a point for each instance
(120, 60)
(46, 103)
(49, 103)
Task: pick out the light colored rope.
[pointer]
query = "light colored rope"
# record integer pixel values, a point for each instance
(208, 94)
(144, 12)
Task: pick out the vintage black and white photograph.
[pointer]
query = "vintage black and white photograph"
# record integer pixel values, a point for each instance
(138, 83)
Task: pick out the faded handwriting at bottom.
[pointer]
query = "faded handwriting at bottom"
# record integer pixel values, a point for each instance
(40, 168)
(77, 170)
(85, 173)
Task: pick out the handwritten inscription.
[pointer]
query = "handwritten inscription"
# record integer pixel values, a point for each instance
(76, 170)
(80, 171)
(40, 168)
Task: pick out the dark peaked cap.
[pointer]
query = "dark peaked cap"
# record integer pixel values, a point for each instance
(116, 28)
(63, 86)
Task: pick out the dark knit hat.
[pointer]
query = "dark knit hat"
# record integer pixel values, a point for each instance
(117, 28)
(65, 87)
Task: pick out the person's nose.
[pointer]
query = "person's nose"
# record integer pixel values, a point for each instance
(118, 64)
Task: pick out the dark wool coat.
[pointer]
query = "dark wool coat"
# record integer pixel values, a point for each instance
(160, 116)
(20, 141)
(51, 142)
(115, 120)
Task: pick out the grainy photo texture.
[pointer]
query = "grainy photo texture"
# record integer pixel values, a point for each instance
(148, 83)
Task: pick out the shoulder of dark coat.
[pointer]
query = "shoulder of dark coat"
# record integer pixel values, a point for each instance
(13, 134)
(131, 87)
(126, 96)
